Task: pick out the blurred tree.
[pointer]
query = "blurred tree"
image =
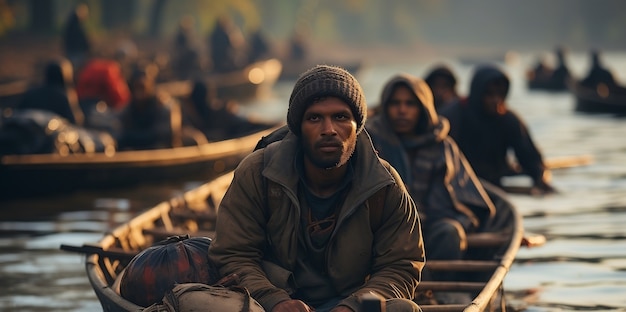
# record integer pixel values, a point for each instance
(7, 19)
(42, 16)
(118, 14)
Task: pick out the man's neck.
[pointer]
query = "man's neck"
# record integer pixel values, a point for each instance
(323, 182)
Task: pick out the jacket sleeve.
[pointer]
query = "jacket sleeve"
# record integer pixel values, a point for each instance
(527, 154)
(398, 250)
(240, 233)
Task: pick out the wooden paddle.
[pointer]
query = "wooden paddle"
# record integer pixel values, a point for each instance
(91, 249)
(563, 162)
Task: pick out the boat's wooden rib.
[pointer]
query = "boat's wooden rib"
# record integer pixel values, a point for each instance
(179, 216)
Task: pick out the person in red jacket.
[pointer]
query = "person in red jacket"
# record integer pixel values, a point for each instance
(102, 80)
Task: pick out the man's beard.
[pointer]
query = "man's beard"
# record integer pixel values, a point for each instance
(331, 161)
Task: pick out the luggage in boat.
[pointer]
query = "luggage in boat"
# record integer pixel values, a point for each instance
(155, 271)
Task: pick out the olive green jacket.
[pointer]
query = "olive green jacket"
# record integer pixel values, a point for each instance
(260, 243)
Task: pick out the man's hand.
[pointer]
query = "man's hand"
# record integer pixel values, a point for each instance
(542, 187)
(293, 306)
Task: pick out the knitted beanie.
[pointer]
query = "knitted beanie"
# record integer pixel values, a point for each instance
(322, 81)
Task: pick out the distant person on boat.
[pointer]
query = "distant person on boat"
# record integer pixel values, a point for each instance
(227, 46)
(150, 120)
(316, 220)
(541, 73)
(452, 201)
(76, 42)
(561, 76)
(298, 50)
(260, 48)
(57, 93)
(213, 116)
(442, 82)
(102, 79)
(598, 74)
(486, 130)
(185, 57)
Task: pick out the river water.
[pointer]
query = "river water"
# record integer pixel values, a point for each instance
(582, 266)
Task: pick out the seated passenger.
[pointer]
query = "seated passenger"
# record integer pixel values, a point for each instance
(598, 74)
(442, 82)
(102, 79)
(57, 94)
(213, 116)
(452, 201)
(149, 119)
(486, 130)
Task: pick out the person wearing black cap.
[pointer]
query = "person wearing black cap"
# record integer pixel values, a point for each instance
(442, 82)
(316, 221)
(486, 130)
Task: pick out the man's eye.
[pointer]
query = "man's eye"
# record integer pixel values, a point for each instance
(313, 118)
(342, 117)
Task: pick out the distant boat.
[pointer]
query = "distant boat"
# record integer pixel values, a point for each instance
(47, 174)
(602, 100)
(194, 213)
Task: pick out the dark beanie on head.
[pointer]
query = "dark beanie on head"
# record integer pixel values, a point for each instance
(322, 81)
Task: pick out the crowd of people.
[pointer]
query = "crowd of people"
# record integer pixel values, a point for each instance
(560, 78)
(301, 206)
(117, 93)
(343, 204)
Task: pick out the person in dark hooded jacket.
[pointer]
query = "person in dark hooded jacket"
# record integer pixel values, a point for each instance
(151, 120)
(598, 74)
(57, 93)
(452, 200)
(442, 82)
(486, 130)
(296, 225)
(76, 42)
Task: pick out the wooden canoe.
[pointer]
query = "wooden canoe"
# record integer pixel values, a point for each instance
(45, 174)
(195, 211)
(253, 81)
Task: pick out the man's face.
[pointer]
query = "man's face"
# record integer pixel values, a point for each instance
(328, 133)
(142, 89)
(493, 99)
(403, 110)
(442, 90)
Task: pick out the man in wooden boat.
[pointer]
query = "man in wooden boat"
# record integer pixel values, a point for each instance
(148, 122)
(442, 82)
(214, 117)
(76, 43)
(227, 46)
(452, 201)
(598, 74)
(57, 93)
(317, 220)
(486, 129)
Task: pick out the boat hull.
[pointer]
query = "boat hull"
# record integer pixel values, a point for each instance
(48, 174)
(194, 213)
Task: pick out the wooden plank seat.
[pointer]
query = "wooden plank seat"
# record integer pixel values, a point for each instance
(487, 239)
(450, 286)
(462, 265)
